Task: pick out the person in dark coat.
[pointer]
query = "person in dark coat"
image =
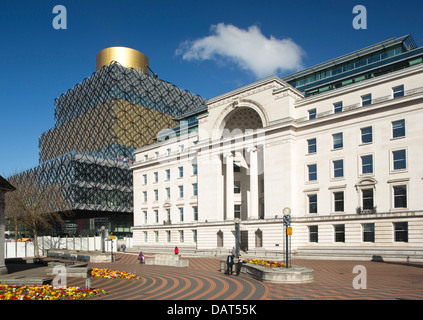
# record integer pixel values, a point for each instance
(239, 265)
(229, 262)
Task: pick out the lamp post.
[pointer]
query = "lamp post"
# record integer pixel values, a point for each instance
(237, 222)
(288, 233)
(103, 228)
(111, 246)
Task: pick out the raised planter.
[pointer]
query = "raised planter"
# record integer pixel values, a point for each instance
(294, 274)
(79, 270)
(166, 260)
(91, 256)
(26, 281)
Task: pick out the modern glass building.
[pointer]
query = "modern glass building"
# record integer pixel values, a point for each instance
(376, 60)
(98, 125)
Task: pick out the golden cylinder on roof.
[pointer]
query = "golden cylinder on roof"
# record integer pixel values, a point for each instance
(127, 57)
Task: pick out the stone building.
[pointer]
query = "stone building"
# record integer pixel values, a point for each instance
(5, 187)
(338, 143)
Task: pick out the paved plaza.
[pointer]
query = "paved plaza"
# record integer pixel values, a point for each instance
(202, 280)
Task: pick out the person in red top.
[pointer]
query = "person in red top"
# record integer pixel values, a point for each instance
(176, 251)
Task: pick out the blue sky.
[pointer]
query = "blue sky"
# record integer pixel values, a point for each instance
(196, 45)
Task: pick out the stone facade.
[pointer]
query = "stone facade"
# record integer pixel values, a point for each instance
(351, 176)
(5, 187)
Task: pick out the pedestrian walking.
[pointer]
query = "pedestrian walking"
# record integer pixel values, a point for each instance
(229, 263)
(176, 251)
(123, 247)
(141, 257)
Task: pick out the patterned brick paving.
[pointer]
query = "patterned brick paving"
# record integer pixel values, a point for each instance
(202, 280)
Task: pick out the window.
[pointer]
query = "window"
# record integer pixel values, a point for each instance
(181, 235)
(398, 91)
(313, 233)
(168, 174)
(312, 146)
(398, 129)
(168, 215)
(181, 191)
(167, 193)
(156, 177)
(219, 238)
(367, 164)
(194, 169)
(194, 236)
(145, 195)
(145, 236)
(194, 189)
(399, 159)
(312, 172)
(366, 135)
(168, 235)
(156, 195)
(237, 186)
(339, 232)
(338, 141)
(312, 203)
(400, 196)
(237, 211)
(368, 232)
(337, 107)
(144, 178)
(338, 168)
(181, 214)
(368, 199)
(156, 236)
(181, 172)
(338, 198)
(145, 217)
(157, 154)
(169, 151)
(311, 114)
(156, 216)
(195, 212)
(366, 100)
(401, 231)
(258, 238)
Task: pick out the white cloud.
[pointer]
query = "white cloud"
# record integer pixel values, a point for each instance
(249, 49)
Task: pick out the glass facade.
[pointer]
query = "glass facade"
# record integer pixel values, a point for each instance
(377, 60)
(98, 125)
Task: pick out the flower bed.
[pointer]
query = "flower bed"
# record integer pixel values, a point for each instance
(46, 292)
(266, 263)
(112, 274)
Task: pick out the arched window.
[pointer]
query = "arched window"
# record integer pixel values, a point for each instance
(219, 239)
(259, 238)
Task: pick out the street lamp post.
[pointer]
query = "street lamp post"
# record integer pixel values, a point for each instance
(103, 229)
(237, 222)
(288, 233)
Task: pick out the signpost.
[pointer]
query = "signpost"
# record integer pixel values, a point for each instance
(288, 233)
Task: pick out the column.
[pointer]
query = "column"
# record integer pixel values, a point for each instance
(229, 190)
(253, 212)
